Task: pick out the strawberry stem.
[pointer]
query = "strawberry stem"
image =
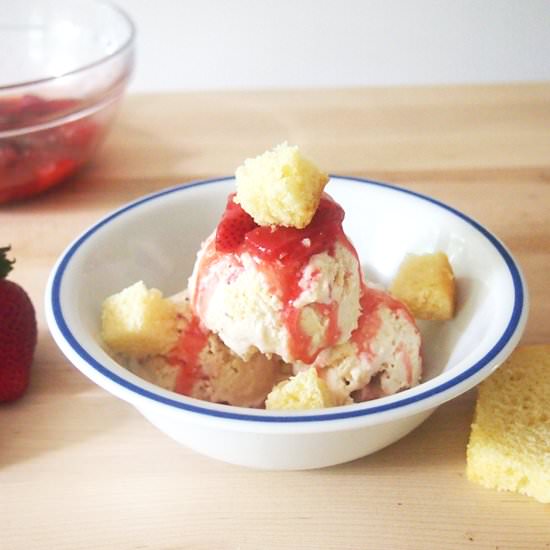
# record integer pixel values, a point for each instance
(5, 264)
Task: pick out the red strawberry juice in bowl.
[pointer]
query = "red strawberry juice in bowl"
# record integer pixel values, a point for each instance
(32, 162)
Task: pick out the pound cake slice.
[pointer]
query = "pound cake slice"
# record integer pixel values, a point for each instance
(509, 447)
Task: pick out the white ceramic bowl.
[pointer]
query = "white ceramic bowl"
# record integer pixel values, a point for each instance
(156, 238)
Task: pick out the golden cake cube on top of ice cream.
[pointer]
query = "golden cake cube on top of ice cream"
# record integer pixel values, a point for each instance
(280, 187)
(426, 284)
(303, 391)
(139, 321)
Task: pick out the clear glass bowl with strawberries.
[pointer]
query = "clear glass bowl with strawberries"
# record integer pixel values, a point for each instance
(68, 67)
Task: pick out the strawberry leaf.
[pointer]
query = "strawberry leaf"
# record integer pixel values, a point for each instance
(5, 264)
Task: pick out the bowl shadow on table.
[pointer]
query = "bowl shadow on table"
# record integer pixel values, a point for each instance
(60, 409)
(439, 443)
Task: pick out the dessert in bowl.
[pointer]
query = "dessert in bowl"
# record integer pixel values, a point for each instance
(384, 223)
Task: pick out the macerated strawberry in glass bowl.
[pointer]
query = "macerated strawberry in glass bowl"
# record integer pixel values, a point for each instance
(31, 162)
(68, 68)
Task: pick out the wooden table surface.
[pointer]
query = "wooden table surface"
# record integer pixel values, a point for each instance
(82, 469)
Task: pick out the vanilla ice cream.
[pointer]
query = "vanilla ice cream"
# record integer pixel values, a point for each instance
(382, 356)
(241, 299)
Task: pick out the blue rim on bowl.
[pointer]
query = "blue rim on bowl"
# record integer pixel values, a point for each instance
(517, 318)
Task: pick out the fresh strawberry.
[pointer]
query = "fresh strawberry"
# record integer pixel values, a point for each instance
(17, 334)
(233, 227)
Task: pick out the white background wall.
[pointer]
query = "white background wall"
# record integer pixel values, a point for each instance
(235, 44)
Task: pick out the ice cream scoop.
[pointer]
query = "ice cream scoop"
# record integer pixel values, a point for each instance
(278, 290)
(382, 357)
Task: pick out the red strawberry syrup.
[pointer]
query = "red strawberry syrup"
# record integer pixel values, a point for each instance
(369, 321)
(186, 354)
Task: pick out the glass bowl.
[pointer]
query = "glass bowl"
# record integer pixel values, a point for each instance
(67, 69)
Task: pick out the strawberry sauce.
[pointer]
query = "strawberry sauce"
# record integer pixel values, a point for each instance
(186, 353)
(281, 254)
(369, 321)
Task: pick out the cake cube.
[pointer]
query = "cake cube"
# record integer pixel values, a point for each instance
(426, 285)
(139, 322)
(509, 446)
(303, 391)
(280, 187)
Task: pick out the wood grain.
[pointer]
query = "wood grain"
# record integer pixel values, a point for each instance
(80, 469)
